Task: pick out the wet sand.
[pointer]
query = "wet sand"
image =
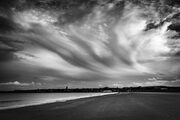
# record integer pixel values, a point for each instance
(126, 106)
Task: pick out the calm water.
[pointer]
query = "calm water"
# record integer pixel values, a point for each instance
(13, 100)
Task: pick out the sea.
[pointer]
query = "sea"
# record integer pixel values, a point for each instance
(15, 100)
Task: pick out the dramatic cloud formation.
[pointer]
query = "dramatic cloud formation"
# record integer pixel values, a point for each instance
(89, 43)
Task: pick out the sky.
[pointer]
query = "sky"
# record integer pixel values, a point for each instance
(89, 43)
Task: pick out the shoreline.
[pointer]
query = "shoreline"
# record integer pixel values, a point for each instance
(55, 101)
(128, 106)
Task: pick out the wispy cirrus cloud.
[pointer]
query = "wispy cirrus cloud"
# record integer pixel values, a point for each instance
(114, 41)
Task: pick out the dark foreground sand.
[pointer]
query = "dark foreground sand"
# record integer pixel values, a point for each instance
(132, 106)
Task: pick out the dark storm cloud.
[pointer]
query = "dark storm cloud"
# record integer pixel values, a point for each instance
(8, 3)
(6, 6)
(69, 10)
(175, 27)
(6, 56)
(7, 25)
(177, 54)
(9, 46)
(13, 42)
